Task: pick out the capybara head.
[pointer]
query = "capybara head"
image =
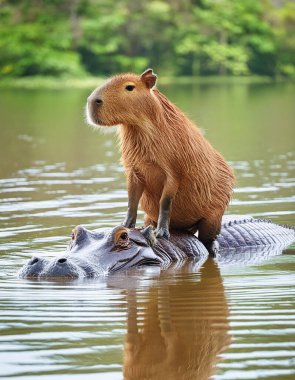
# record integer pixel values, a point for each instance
(124, 99)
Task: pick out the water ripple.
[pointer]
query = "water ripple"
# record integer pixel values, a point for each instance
(238, 321)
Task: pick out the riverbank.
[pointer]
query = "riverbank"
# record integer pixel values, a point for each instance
(90, 82)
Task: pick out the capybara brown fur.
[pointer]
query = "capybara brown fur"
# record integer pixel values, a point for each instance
(179, 179)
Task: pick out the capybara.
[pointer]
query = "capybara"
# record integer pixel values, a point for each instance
(179, 179)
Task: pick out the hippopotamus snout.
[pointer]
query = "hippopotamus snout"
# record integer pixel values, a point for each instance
(34, 267)
(63, 267)
(42, 268)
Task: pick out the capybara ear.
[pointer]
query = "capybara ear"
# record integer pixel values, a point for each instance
(149, 78)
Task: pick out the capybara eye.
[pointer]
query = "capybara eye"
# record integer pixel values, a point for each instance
(124, 236)
(130, 87)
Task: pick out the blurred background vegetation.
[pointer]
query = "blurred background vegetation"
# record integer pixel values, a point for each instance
(76, 38)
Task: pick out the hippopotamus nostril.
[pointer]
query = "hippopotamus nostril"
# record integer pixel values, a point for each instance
(61, 261)
(33, 261)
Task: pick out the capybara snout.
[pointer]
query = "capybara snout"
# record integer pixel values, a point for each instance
(94, 102)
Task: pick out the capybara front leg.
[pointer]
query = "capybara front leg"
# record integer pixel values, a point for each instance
(164, 218)
(207, 234)
(168, 194)
(135, 189)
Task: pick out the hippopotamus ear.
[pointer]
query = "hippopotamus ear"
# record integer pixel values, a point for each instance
(149, 78)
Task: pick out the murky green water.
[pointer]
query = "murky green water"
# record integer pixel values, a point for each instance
(233, 322)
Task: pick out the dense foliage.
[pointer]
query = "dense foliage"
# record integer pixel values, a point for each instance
(181, 37)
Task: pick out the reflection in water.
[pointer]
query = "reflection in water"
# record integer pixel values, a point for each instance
(179, 330)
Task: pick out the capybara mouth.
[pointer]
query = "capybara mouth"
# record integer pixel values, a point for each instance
(98, 121)
(92, 117)
(95, 121)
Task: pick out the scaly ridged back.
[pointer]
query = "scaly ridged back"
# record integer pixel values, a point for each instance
(249, 232)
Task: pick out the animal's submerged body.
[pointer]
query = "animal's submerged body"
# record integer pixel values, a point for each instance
(179, 179)
(242, 240)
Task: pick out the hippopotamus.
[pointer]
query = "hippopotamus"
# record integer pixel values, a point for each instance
(95, 253)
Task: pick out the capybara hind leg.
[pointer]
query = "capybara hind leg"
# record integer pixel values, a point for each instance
(148, 221)
(207, 234)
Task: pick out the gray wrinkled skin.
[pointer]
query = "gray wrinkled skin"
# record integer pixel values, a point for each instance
(92, 254)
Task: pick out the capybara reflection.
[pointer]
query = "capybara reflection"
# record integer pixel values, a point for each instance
(178, 330)
(179, 179)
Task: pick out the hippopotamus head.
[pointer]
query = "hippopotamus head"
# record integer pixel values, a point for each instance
(91, 254)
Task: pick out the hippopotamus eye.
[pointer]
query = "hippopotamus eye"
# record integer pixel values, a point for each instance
(130, 87)
(124, 236)
(121, 237)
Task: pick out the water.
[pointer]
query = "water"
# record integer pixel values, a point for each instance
(233, 322)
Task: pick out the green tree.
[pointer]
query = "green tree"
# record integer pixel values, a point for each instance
(183, 37)
(36, 39)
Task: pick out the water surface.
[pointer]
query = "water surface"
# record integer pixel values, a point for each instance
(233, 322)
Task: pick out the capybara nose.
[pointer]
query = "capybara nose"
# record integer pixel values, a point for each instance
(97, 101)
(62, 260)
(94, 100)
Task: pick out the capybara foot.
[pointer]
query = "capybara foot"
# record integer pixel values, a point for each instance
(212, 247)
(162, 232)
(150, 234)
